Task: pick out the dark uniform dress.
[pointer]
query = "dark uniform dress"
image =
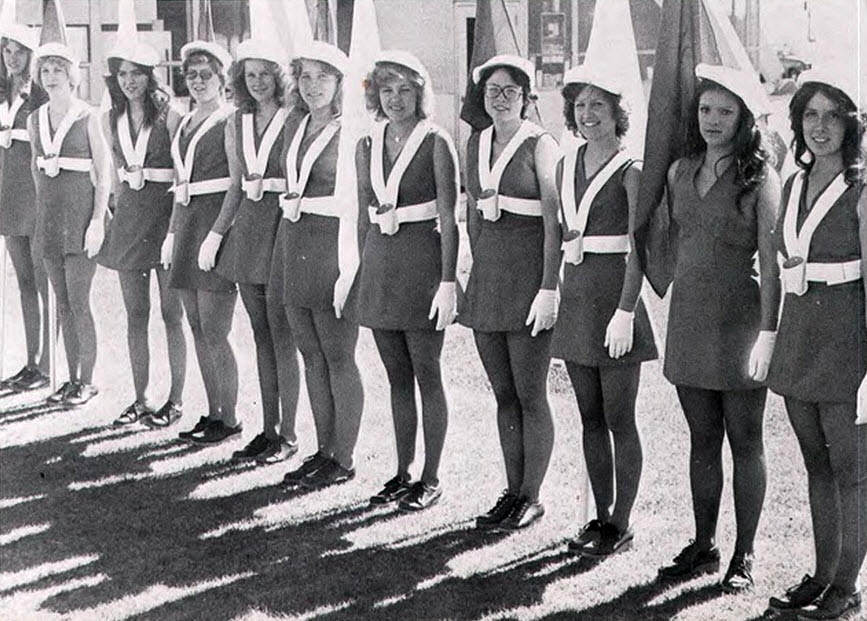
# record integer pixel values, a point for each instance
(64, 204)
(141, 219)
(715, 313)
(194, 221)
(309, 247)
(590, 292)
(17, 192)
(400, 273)
(821, 349)
(246, 253)
(508, 256)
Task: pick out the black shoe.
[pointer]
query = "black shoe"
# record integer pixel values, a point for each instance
(216, 432)
(393, 490)
(331, 473)
(58, 396)
(805, 592)
(9, 382)
(311, 463)
(498, 512)
(80, 394)
(835, 603)
(133, 413)
(692, 561)
(204, 421)
(589, 533)
(524, 512)
(611, 540)
(29, 378)
(739, 575)
(420, 497)
(279, 450)
(254, 448)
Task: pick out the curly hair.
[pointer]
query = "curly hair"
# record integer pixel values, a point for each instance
(751, 157)
(241, 95)
(294, 98)
(571, 92)
(477, 96)
(386, 72)
(155, 99)
(853, 133)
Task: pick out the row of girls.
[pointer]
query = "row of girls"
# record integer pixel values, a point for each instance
(258, 207)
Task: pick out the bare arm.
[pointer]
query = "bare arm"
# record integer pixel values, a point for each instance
(547, 155)
(445, 177)
(767, 204)
(232, 198)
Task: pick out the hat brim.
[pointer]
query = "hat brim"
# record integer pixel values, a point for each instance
(833, 80)
(325, 53)
(741, 83)
(253, 49)
(21, 34)
(508, 60)
(209, 47)
(584, 75)
(140, 54)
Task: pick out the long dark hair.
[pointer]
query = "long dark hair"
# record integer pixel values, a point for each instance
(155, 98)
(6, 79)
(477, 95)
(853, 123)
(751, 158)
(242, 98)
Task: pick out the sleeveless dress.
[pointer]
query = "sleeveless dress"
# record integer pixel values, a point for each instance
(309, 246)
(821, 349)
(715, 312)
(400, 273)
(141, 219)
(246, 253)
(508, 256)
(17, 192)
(64, 204)
(590, 291)
(194, 221)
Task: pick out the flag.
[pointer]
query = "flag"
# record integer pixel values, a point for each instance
(291, 17)
(53, 23)
(205, 24)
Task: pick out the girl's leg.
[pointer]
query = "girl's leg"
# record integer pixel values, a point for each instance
(79, 271)
(424, 349)
(57, 276)
(216, 310)
(173, 314)
(395, 356)
(703, 410)
(190, 300)
(28, 275)
(598, 454)
(494, 353)
(135, 288)
(253, 297)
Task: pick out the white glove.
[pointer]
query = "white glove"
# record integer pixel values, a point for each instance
(208, 251)
(861, 405)
(543, 311)
(619, 333)
(341, 291)
(166, 250)
(760, 356)
(444, 305)
(94, 237)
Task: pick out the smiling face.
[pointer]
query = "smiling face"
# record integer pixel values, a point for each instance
(54, 76)
(399, 99)
(260, 80)
(133, 80)
(317, 84)
(202, 82)
(504, 98)
(718, 117)
(16, 57)
(824, 127)
(594, 114)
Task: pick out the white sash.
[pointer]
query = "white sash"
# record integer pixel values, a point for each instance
(133, 155)
(51, 162)
(184, 166)
(576, 220)
(257, 161)
(7, 120)
(489, 178)
(386, 192)
(798, 244)
(296, 181)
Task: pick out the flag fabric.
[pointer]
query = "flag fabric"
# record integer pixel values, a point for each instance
(205, 24)
(53, 23)
(291, 16)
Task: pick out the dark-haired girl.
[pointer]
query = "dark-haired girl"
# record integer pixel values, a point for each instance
(602, 331)
(406, 289)
(721, 326)
(821, 352)
(249, 219)
(511, 300)
(141, 123)
(20, 96)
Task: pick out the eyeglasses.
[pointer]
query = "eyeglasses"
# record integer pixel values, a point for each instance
(204, 74)
(509, 92)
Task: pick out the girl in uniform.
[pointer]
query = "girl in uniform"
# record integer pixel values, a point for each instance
(723, 197)
(406, 290)
(319, 259)
(602, 331)
(511, 300)
(141, 123)
(71, 168)
(20, 97)
(821, 352)
(248, 220)
(202, 178)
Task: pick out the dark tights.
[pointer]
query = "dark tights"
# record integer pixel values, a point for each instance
(711, 415)
(834, 451)
(409, 357)
(71, 278)
(136, 288)
(606, 400)
(517, 367)
(327, 345)
(32, 287)
(210, 316)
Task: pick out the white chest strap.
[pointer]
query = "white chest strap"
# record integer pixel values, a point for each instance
(183, 189)
(256, 161)
(134, 154)
(7, 121)
(296, 180)
(387, 191)
(798, 244)
(51, 162)
(490, 177)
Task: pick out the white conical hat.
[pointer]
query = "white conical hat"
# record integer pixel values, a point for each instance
(841, 80)
(53, 40)
(326, 53)
(128, 46)
(742, 83)
(508, 60)
(265, 41)
(405, 59)
(10, 29)
(206, 40)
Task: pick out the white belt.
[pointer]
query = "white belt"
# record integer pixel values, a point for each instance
(574, 249)
(7, 135)
(294, 206)
(834, 273)
(254, 188)
(183, 191)
(492, 205)
(51, 165)
(136, 177)
(390, 220)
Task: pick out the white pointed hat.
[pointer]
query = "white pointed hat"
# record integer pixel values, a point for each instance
(325, 53)
(584, 74)
(53, 40)
(206, 40)
(744, 84)
(840, 80)
(10, 29)
(128, 46)
(508, 60)
(265, 41)
(405, 59)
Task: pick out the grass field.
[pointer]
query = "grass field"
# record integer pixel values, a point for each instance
(105, 523)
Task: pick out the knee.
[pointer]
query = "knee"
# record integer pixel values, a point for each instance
(428, 375)
(506, 395)
(172, 316)
(706, 442)
(340, 361)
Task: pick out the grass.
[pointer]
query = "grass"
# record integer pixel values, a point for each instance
(97, 522)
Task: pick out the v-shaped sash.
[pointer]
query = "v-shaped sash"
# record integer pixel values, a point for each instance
(183, 188)
(296, 180)
(133, 173)
(489, 201)
(7, 120)
(51, 162)
(254, 184)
